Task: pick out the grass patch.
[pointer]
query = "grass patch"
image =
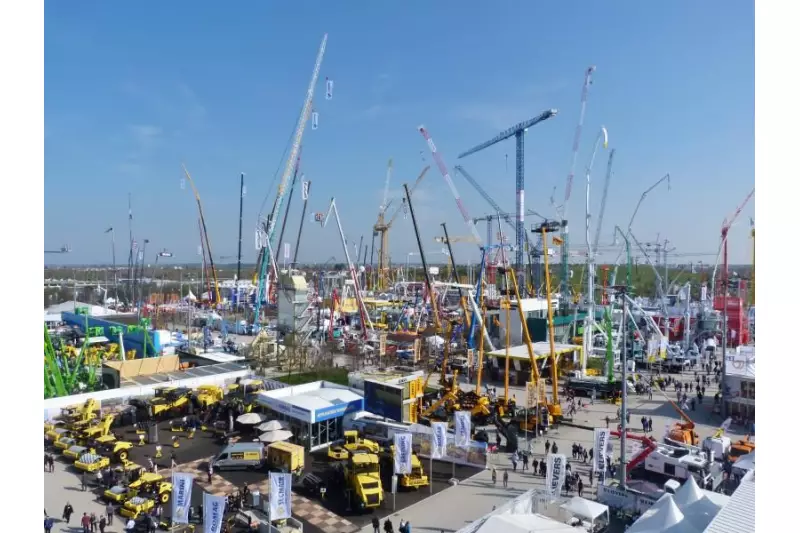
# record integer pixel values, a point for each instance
(334, 375)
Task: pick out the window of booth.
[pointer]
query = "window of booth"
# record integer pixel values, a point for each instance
(325, 432)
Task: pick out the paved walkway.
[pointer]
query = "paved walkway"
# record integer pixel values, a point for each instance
(62, 486)
(457, 506)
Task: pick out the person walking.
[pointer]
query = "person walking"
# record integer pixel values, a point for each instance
(210, 472)
(84, 481)
(388, 527)
(591, 477)
(48, 524)
(524, 462)
(580, 487)
(68, 510)
(494, 476)
(110, 513)
(535, 469)
(102, 524)
(376, 525)
(46, 463)
(86, 523)
(93, 522)
(547, 446)
(505, 479)
(555, 448)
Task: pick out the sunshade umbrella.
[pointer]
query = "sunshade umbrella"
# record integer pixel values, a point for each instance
(275, 436)
(272, 425)
(251, 419)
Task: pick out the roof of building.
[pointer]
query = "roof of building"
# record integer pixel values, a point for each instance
(540, 350)
(740, 513)
(313, 396)
(70, 306)
(742, 364)
(189, 373)
(690, 510)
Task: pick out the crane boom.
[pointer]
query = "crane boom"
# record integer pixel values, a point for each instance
(603, 200)
(207, 242)
(446, 175)
(510, 132)
(385, 202)
(289, 170)
(587, 80)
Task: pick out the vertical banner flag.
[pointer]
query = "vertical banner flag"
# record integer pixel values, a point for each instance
(463, 428)
(328, 89)
(703, 292)
(280, 496)
(306, 187)
(601, 436)
(556, 473)
(439, 440)
(402, 453)
(181, 497)
(213, 512)
(287, 250)
(314, 120)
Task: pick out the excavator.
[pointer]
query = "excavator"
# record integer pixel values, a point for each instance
(682, 433)
(99, 430)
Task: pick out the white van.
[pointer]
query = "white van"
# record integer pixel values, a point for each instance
(240, 455)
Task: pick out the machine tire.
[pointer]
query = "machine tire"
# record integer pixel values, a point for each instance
(123, 455)
(164, 497)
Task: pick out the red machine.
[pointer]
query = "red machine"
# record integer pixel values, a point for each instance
(649, 445)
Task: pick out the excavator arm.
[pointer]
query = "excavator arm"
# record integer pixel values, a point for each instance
(649, 445)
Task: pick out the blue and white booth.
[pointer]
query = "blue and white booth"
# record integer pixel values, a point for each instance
(313, 412)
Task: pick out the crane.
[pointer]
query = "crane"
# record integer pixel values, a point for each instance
(446, 175)
(291, 161)
(366, 323)
(382, 228)
(562, 210)
(65, 249)
(723, 245)
(753, 274)
(454, 240)
(518, 132)
(603, 199)
(204, 236)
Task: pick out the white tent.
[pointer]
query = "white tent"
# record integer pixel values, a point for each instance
(190, 297)
(436, 341)
(688, 493)
(275, 436)
(701, 512)
(585, 509)
(662, 518)
(515, 523)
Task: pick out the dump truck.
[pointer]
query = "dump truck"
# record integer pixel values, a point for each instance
(415, 479)
(361, 475)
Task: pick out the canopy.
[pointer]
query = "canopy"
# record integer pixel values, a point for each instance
(190, 297)
(664, 517)
(272, 425)
(688, 493)
(583, 508)
(275, 436)
(251, 419)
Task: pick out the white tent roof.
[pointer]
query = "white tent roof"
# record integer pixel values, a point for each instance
(190, 297)
(688, 493)
(661, 518)
(583, 508)
(515, 523)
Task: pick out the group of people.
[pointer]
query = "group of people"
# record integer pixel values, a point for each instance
(388, 526)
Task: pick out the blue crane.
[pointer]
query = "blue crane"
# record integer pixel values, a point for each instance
(501, 215)
(518, 132)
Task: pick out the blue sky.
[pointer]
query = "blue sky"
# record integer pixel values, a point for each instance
(134, 90)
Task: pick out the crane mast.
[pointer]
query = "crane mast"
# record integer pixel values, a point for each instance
(288, 171)
(204, 235)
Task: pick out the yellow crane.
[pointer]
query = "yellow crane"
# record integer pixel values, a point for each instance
(205, 237)
(382, 227)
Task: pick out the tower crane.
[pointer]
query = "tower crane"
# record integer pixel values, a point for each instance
(723, 245)
(204, 236)
(291, 161)
(382, 227)
(518, 132)
(65, 249)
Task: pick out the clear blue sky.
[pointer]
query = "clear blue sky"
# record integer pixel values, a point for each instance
(132, 90)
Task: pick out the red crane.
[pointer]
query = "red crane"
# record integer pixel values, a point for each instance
(649, 445)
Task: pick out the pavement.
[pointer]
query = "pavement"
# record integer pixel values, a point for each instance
(459, 505)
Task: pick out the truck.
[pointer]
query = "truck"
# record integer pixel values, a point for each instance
(600, 385)
(360, 475)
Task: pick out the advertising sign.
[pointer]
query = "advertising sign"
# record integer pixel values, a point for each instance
(463, 428)
(213, 512)
(439, 440)
(280, 496)
(402, 453)
(601, 437)
(383, 400)
(556, 473)
(181, 497)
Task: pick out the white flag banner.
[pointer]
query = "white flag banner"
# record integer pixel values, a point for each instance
(556, 473)
(439, 440)
(258, 239)
(306, 187)
(402, 453)
(287, 250)
(601, 438)
(213, 512)
(463, 428)
(181, 497)
(280, 496)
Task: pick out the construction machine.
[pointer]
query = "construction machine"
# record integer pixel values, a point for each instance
(353, 443)
(360, 475)
(109, 445)
(147, 483)
(91, 462)
(681, 433)
(99, 430)
(207, 395)
(741, 447)
(172, 399)
(415, 479)
(649, 445)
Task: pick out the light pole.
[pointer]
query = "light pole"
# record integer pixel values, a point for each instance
(114, 264)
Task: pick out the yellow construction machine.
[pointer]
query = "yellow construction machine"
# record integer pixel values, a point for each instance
(361, 475)
(148, 483)
(169, 400)
(415, 479)
(207, 395)
(99, 430)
